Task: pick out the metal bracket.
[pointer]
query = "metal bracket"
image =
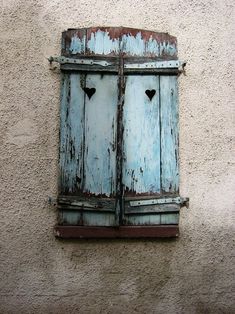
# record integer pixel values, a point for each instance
(52, 201)
(87, 64)
(171, 64)
(175, 200)
(80, 61)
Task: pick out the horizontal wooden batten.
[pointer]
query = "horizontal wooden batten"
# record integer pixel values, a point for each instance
(80, 232)
(151, 209)
(83, 208)
(88, 68)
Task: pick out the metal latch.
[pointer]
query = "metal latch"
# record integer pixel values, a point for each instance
(158, 201)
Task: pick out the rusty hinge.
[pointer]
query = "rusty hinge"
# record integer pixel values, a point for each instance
(158, 201)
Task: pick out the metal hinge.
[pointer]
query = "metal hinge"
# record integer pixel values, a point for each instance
(64, 60)
(128, 65)
(176, 64)
(175, 200)
(52, 201)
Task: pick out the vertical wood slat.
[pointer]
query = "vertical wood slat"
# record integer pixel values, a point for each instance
(100, 135)
(169, 134)
(71, 134)
(141, 166)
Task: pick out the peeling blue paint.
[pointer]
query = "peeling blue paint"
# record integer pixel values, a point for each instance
(89, 126)
(77, 45)
(101, 43)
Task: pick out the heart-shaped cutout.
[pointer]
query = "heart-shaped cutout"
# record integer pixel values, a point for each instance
(89, 91)
(150, 93)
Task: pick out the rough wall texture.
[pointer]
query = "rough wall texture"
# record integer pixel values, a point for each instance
(40, 274)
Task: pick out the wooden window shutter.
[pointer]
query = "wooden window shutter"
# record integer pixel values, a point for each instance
(119, 173)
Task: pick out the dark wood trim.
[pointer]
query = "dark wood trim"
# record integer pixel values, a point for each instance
(82, 232)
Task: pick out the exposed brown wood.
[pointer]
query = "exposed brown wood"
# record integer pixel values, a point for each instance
(80, 232)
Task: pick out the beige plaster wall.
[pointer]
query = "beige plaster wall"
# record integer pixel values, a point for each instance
(40, 274)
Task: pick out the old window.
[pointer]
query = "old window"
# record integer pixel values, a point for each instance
(119, 173)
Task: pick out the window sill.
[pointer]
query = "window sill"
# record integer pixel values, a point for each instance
(81, 232)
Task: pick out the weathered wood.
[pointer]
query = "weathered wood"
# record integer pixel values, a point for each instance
(71, 134)
(89, 68)
(100, 135)
(118, 40)
(76, 232)
(141, 166)
(169, 219)
(150, 209)
(86, 218)
(141, 220)
(114, 69)
(87, 204)
(73, 42)
(101, 42)
(169, 134)
(119, 131)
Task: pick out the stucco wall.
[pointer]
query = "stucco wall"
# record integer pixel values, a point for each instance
(40, 274)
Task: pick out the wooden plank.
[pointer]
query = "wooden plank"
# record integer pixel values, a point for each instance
(73, 42)
(71, 134)
(99, 41)
(150, 209)
(115, 40)
(89, 68)
(100, 135)
(144, 43)
(70, 232)
(86, 218)
(141, 165)
(140, 219)
(92, 203)
(169, 134)
(170, 219)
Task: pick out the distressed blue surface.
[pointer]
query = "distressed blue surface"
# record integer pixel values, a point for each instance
(141, 166)
(169, 133)
(100, 135)
(72, 217)
(71, 133)
(101, 43)
(77, 44)
(89, 126)
(88, 134)
(108, 42)
(149, 219)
